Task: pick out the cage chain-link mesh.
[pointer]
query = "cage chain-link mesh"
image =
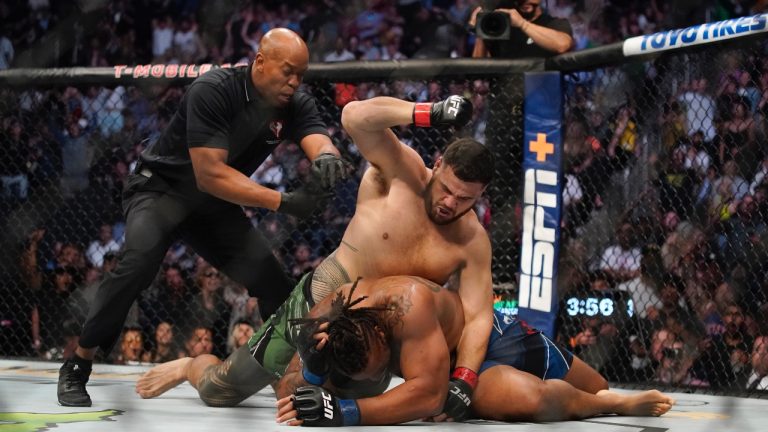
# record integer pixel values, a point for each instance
(663, 259)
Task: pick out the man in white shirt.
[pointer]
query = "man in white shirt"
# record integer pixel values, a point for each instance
(98, 248)
(700, 108)
(622, 261)
(341, 53)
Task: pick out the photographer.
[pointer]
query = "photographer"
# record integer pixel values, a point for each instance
(533, 32)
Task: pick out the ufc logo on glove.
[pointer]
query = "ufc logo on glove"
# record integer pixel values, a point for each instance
(453, 105)
(327, 408)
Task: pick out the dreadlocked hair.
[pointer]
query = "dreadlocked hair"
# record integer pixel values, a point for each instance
(350, 332)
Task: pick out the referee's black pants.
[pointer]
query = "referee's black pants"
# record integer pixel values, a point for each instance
(217, 230)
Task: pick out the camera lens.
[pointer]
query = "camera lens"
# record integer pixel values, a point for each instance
(494, 24)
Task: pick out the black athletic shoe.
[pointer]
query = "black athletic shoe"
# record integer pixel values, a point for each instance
(71, 389)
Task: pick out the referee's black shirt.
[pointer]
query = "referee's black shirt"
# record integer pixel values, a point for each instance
(222, 109)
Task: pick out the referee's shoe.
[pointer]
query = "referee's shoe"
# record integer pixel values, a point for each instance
(72, 380)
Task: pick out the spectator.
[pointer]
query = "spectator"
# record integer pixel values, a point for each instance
(76, 158)
(14, 155)
(724, 362)
(697, 158)
(699, 107)
(640, 364)
(739, 235)
(303, 260)
(98, 248)
(244, 308)
(761, 176)
(163, 346)
(52, 306)
(621, 261)
(208, 308)
(131, 347)
(162, 37)
(672, 126)
(674, 364)
(169, 299)
(758, 379)
(643, 288)
(676, 185)
(199, 341)
(239, 335)
(674, 313)
(738, 137)
(340, 52)
(187, 45)
(733, 186)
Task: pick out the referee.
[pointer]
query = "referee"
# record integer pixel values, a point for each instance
(192, 182)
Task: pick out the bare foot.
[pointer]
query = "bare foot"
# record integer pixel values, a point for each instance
(647, 403)
(162, 378)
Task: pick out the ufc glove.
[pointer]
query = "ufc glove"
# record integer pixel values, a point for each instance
(318, 407)
(455, 111)
(460, 387)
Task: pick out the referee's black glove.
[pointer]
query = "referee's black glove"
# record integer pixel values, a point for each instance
(328, 169)
(302, 202)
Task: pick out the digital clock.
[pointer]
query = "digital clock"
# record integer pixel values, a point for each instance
(608, 303)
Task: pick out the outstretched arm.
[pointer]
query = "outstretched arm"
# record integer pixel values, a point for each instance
(475, 289)
(476, 292)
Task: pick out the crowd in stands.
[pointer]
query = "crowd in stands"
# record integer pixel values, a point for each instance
(689, 247)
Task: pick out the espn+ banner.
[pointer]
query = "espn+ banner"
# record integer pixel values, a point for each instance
(542, 200)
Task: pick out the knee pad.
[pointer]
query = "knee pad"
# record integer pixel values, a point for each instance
(237, 378)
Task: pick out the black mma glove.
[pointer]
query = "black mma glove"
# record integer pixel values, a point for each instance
(318, 407)
(455, 111)
(460, 387)
(328, 169)
(302, 202)
(315, 361)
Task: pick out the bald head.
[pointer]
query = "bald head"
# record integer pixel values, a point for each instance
(283, 43)
(279, 66)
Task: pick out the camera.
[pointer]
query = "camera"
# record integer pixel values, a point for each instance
(493, 26)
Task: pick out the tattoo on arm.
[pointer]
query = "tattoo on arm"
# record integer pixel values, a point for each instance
(397, 308)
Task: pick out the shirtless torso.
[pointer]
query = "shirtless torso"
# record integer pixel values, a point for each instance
(391, 234)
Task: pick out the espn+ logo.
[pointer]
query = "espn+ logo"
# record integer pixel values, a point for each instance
(537, 261)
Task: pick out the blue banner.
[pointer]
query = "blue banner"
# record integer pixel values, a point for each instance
(542, 200)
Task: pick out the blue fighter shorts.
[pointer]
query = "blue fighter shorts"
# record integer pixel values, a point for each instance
(514, 343)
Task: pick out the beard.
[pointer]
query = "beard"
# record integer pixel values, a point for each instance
(527, 15)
